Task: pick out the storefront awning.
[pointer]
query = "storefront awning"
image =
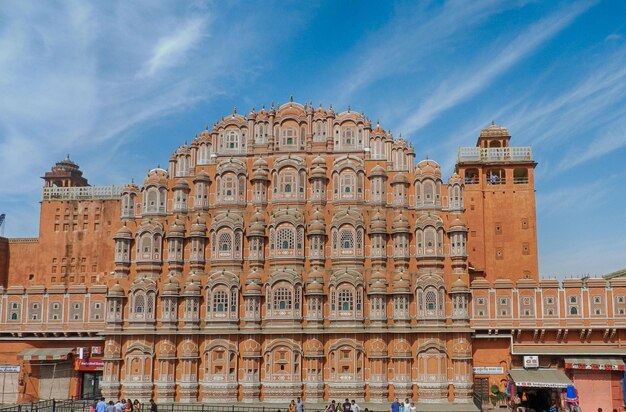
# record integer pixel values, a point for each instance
(540, 378)
(595, 363)
(37, 354)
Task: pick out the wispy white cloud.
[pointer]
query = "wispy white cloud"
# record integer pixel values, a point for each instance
(82, 78)
(593, 257)
(462, 85)
(575, 198)
(414, 32)
(172, 49)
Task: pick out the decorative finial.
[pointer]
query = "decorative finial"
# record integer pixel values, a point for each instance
(68, 156)
(206, 127)
(377, 122)
(132, 180)
(235, 110)
(493, 123)
(348, 108)
(291, 98)
(426, 157)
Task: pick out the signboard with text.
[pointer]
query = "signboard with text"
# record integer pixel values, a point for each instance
(9, 369)
(89, 364)
(531, 362)
(488, 370)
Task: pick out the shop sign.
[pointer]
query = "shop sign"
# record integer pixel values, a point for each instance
(531, 362)
(595, 366)
(488, 370)
(90, 364)
(9, 369)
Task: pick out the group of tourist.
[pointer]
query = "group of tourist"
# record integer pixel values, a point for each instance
(406, 406)
(346, 406)
(123, 405)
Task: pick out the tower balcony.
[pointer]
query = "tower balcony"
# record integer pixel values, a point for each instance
(495, 154)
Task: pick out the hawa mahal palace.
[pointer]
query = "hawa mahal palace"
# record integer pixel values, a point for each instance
(297, 251)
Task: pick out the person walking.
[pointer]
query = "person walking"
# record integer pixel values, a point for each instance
(153, 406)
(292, 406)
(332, 407)
(299, 405)
(355, 407)
(101, 406)
(395, 406)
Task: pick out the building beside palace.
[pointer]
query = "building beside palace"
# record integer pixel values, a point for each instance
(301, 252)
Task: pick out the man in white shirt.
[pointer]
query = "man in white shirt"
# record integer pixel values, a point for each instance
(355, 407)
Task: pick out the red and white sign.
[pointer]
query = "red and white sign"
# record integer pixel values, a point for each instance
(599, 366)
(90, 364)
(96, 350)
(531, 362)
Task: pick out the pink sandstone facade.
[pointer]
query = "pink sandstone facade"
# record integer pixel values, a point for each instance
(298, 252)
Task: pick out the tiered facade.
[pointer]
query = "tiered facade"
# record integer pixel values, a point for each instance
(292, 252)
(297, 252)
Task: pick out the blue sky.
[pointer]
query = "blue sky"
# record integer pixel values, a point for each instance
(119, 85)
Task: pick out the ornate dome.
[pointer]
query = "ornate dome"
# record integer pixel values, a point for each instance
(400, 178)
(177, 227)
(203, 176)
(130, 188)
(455, 179)
(458, 225)
(378, 170)
(401, 224)
(493, 130)
(257, 224)
(319, 161)
(156, 177)
(428, 167)
(459, 285)
(378, 223)
(116, 290)
(123, 233)
(181, 184)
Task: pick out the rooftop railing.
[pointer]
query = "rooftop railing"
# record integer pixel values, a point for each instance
(495, 154)
(82, 193)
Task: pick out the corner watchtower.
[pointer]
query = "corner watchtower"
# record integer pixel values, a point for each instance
(65, 173)
(500, 206)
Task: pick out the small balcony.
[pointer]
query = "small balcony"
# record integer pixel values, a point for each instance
(495, 154)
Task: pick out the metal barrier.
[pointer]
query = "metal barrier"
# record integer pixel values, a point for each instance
(54, 405)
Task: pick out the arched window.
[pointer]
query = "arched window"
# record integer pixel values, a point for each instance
(348, 138)
(139, 306)
(345, 299)
(128, 205)
(182, 165)
(204, 154)
(430, 302)
(347, 184)
(220, 301)
(261, 134)
(225, 242)
(229, 187)
(347, 239)
(287, 183)
(151, 202)
(289, 136)
(428, 197)
(145, 246)
(282, 299)
(231, 139)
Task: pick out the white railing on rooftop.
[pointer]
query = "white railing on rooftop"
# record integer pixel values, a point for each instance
(495, 154)
(82, 193)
